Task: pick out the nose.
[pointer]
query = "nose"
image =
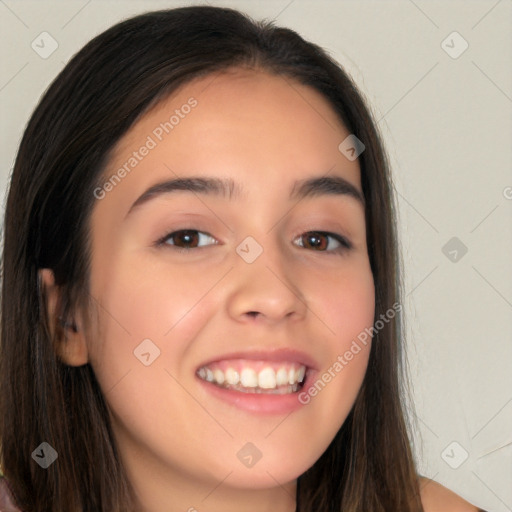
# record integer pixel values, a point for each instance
(266, 290)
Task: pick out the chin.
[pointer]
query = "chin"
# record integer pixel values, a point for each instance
(268, 474)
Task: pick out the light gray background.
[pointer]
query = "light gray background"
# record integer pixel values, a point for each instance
(447, 124)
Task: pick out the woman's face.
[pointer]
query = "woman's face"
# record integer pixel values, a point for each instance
(258, 275)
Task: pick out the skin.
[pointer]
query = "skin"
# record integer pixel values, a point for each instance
(437, 498)
(178, 442)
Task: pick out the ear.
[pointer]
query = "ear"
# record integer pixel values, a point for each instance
(71, 342)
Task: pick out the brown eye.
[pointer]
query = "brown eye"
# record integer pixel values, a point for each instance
(187, 238)
(314, 241)
(323, 242)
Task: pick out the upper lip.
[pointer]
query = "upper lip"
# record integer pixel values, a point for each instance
(277, 355)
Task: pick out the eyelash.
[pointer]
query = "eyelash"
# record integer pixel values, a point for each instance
(345, 245)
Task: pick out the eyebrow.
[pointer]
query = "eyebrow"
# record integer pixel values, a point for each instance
(228, 188)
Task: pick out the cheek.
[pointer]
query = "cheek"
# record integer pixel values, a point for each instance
(345, 302)
(151, 314)
(139, 301)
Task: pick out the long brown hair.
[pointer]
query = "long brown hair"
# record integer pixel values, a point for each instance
(98, 96)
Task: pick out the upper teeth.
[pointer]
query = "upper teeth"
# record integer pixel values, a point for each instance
(267, 377)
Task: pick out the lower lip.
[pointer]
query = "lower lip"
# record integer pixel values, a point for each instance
(260, 403)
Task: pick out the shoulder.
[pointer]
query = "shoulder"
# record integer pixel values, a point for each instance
(437, 498)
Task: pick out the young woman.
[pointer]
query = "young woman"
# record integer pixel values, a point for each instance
(200, 297)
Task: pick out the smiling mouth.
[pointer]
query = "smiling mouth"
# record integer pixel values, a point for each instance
(247, 376)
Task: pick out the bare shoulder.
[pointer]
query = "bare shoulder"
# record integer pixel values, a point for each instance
(437, 498)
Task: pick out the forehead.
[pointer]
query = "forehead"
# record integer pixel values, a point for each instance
(258, 107)
(248, 125)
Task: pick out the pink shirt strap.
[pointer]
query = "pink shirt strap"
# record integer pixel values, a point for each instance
(7, 501)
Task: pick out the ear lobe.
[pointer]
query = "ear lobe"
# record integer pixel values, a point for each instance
(69, 337)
